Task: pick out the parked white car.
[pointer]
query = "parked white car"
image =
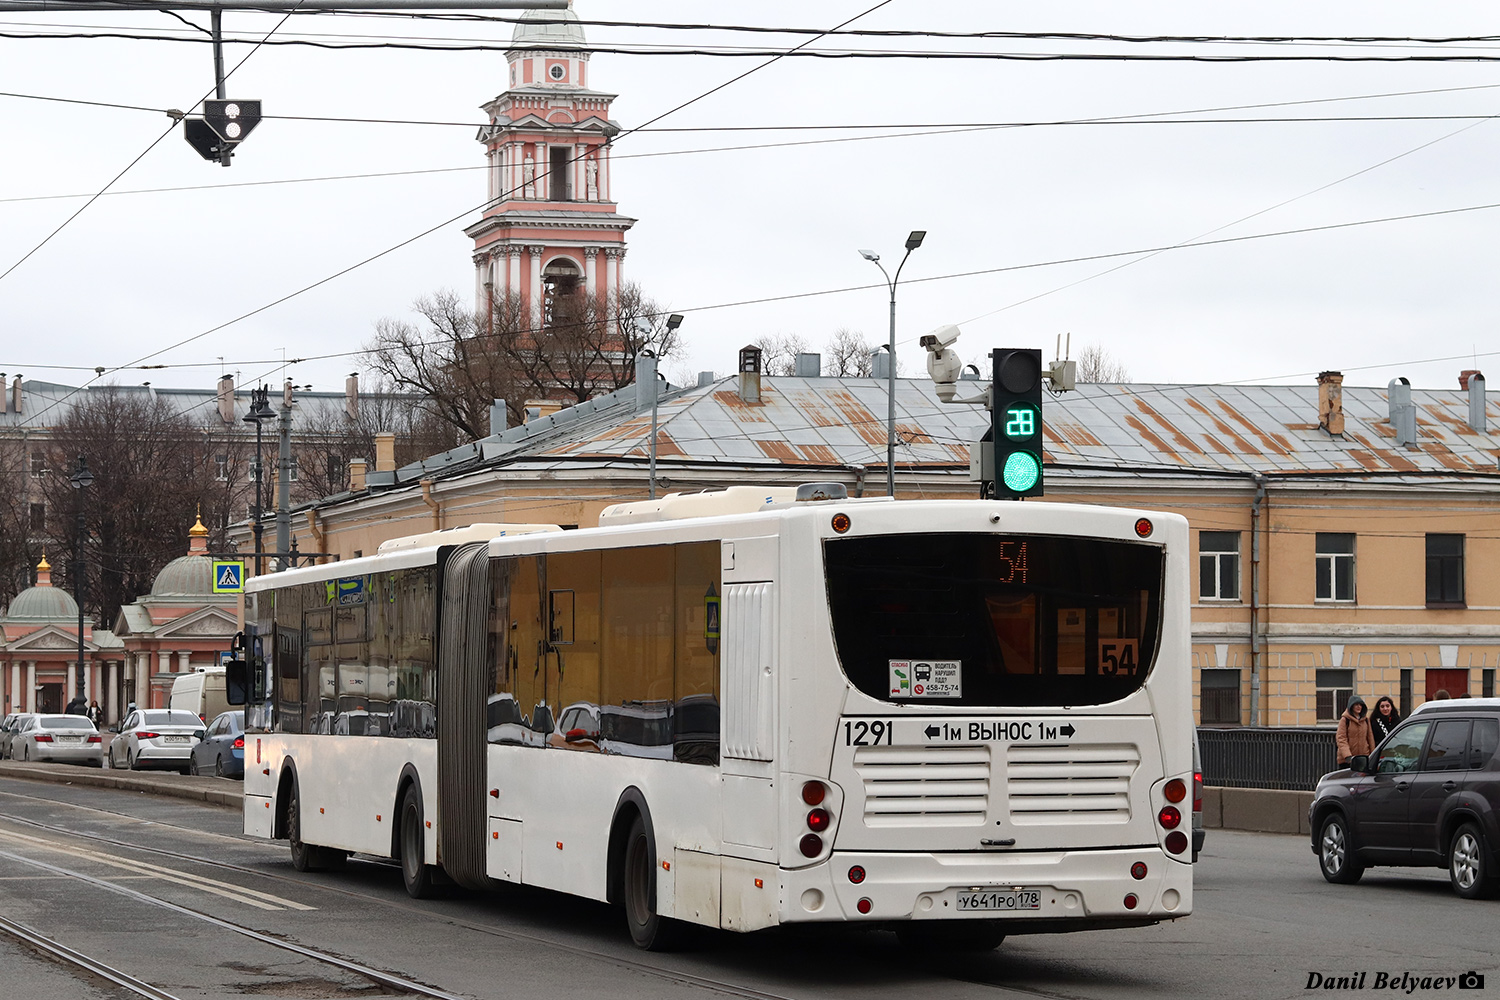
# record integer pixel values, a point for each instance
(9, 728)
(58, 738)
(156, 738)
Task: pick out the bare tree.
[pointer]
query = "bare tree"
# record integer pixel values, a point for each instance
(152, 476)
(17, 553)
(461, 362)
(328, 439)
(1095, 364)
(848, 354)
(778, 352)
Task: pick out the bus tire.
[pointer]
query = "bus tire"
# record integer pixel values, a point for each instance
(648, 929)
(415, 872)
(951, 936)
(305, 857)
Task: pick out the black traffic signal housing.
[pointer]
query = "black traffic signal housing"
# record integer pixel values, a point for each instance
(232, 121)
(1017, 413)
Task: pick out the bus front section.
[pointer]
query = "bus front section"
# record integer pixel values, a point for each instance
(1001, 697)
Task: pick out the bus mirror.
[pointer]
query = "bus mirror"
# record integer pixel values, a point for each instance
(236, 682)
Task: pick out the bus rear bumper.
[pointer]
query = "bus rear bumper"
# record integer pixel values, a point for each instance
(1075, 889)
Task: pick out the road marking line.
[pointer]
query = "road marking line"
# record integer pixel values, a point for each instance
(261, 900)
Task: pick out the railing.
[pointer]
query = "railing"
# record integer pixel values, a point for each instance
(1282, 757)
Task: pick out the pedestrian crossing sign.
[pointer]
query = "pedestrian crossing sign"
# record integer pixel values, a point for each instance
(229, 576)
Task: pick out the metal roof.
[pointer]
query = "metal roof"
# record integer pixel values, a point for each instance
(1124, 427)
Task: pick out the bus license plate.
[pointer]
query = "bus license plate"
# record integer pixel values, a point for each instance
(1000, 899)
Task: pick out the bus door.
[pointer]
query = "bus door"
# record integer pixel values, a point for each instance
(748, 662)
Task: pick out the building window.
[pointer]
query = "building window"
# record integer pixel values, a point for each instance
(1335, 566)
(1445, 570)
(1219, 565)
(1406, 705)
(221, 468)
(1487, 682)
(291, 469)
(38, 465)
(1335, 688)
(559, 173)
(38, 517)
(335, 471)
(1220, 698)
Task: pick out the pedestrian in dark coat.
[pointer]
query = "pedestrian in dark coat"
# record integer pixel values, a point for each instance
(1384, 720)
(77, 706)
(1353, 737)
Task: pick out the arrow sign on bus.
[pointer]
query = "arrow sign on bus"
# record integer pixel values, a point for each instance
(932, 731)
(1066, 730)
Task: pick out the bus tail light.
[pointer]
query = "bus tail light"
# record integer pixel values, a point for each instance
(857, 874)
(818, 820)
(1169, 817)
(1175, 790)
(1138, 870)
(1177, 842)
(811, 845)
(864, 904)
(813, 793)
(1131, 901)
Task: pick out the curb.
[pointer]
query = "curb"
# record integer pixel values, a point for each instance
(214, 791)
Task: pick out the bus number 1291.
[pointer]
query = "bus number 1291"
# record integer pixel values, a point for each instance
(860, 733)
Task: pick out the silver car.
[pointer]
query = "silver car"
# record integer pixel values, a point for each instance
(8, 728)
(156, 738)
(63, 738)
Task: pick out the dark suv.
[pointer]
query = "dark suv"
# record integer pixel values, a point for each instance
(1429, 796)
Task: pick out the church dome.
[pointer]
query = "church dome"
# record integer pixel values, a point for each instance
(44, 602)
(556, 29)
(185, 576)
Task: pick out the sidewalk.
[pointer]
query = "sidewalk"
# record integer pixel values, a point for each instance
(215, 791)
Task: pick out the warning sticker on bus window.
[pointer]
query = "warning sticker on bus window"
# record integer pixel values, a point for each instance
(926, 678)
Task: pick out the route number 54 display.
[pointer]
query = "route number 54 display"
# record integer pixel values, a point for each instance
(1119, 656)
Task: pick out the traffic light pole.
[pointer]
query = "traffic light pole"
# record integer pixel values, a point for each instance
(216, 26)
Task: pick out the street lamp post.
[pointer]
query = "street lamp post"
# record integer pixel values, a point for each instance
(260, 411)
(673, 322)
(912, 242)
(80, 480)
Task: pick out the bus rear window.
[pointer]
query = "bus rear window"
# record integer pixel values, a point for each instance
(994, 620)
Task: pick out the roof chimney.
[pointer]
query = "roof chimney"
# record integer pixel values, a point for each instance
(1403, 413)
(1474, 382)
(226, 398)
(351, 396)
(357, 467)
(499, 419)
(809, 365)
(15, 395)
(1331, 402)
(385, 452)
(645, 381)
(750, 373)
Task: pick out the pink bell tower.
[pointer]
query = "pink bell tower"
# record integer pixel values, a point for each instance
(550, 226)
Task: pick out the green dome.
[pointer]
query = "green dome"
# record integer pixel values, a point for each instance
(44, 602)
(185, 576)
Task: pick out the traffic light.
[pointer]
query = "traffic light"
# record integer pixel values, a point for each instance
(232, 121)
(1017, 411)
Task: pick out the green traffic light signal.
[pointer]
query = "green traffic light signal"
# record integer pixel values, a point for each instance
(1021, 471)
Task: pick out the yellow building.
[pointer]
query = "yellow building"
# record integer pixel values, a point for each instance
(1346, 537)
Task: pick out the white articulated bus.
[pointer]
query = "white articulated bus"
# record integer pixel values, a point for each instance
(955, 719)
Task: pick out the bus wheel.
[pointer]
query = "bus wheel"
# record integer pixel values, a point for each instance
(414, 871)
(305, 857)
(648, 929)
(950, 936)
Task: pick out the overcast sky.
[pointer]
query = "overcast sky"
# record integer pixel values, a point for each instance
(135, 273)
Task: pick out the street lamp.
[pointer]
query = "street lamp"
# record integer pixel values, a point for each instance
(673, 322)
(80, 480)
(912, 242)
(260, 411)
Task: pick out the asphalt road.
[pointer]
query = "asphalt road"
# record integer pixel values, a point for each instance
(1264, 921)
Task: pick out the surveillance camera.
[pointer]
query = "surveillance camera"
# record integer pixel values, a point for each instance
(943, 336)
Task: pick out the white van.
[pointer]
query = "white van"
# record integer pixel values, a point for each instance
(200, 692)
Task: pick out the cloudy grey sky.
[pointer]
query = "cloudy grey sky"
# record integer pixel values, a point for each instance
(135, 273)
